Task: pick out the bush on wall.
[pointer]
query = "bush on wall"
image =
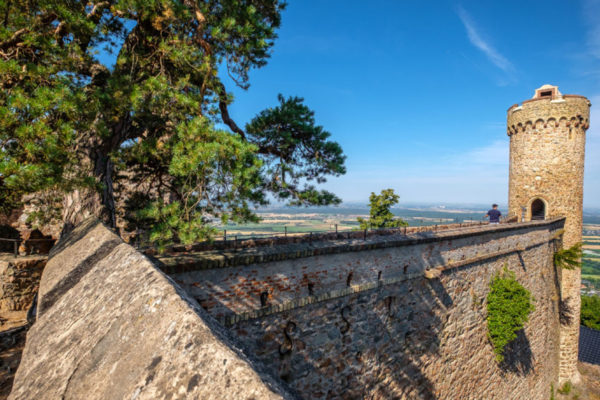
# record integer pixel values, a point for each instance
(569, 258)
(508, 305)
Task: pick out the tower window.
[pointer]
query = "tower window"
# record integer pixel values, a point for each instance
(538, 210)
(547, 93)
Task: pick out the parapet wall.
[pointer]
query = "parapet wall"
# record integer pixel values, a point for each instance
(110, 325)
(397, 316)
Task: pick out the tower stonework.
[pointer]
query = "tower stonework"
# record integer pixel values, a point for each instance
(547, 147)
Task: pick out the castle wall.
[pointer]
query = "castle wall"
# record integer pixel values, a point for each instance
(389, 317)
(547, 149)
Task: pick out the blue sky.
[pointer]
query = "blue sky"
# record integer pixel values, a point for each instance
(416, 92)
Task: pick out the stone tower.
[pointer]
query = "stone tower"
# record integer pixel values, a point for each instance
(547, 146)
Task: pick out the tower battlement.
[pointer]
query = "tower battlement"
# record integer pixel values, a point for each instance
(548, 108)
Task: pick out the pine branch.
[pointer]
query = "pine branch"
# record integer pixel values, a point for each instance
(225, 112)
(569, 258)
(14, 39)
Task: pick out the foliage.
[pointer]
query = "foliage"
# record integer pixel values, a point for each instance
(211, 170)
(590, 266)
(296, 150)
(593, 281)
(566, 388)
(590, 311)
(508, 305)
(141, 135)
(569, 258)
(380, 215)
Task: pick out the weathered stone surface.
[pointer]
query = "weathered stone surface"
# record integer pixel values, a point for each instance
(112, 326)
(236, 289)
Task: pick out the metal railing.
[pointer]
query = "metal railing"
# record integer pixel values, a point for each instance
(17, 242)
(433, 226)
(236, 239)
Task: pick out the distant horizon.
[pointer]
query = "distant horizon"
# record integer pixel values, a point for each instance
(411, 204)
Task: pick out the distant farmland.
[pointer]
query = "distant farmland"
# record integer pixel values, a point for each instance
(305, 220)
(590, 271)
(299, 220)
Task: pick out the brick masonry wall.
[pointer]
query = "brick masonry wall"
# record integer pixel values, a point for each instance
(399, 317)
(547, 149)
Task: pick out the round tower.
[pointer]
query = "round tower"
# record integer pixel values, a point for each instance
(547, 147)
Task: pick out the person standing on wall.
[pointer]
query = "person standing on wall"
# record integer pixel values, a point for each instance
(494, 214)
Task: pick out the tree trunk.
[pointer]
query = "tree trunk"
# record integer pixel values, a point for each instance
(86, 202)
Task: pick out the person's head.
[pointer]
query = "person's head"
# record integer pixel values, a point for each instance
(494, 206)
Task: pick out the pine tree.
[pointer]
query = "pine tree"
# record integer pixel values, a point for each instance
(380, 215)
(139, 140)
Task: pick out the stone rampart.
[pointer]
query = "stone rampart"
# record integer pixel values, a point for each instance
(110, 325)
(396, 316)
(386, 316)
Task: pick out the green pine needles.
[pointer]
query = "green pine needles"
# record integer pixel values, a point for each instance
(508, 305)
(569, 258)
(380, 215)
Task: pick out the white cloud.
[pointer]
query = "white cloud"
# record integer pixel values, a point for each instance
(476, 40)
(591, 12)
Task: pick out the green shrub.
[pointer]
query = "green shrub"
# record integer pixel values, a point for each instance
(508, 305)
(566, 388)
(569, 258)
(590, 311)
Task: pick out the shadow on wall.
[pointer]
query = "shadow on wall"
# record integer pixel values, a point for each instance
(366, 345)
(518, 357)
(242, 288)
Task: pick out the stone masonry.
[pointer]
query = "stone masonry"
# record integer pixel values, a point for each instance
(547, 148)
(19, 282)
(398, 316)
